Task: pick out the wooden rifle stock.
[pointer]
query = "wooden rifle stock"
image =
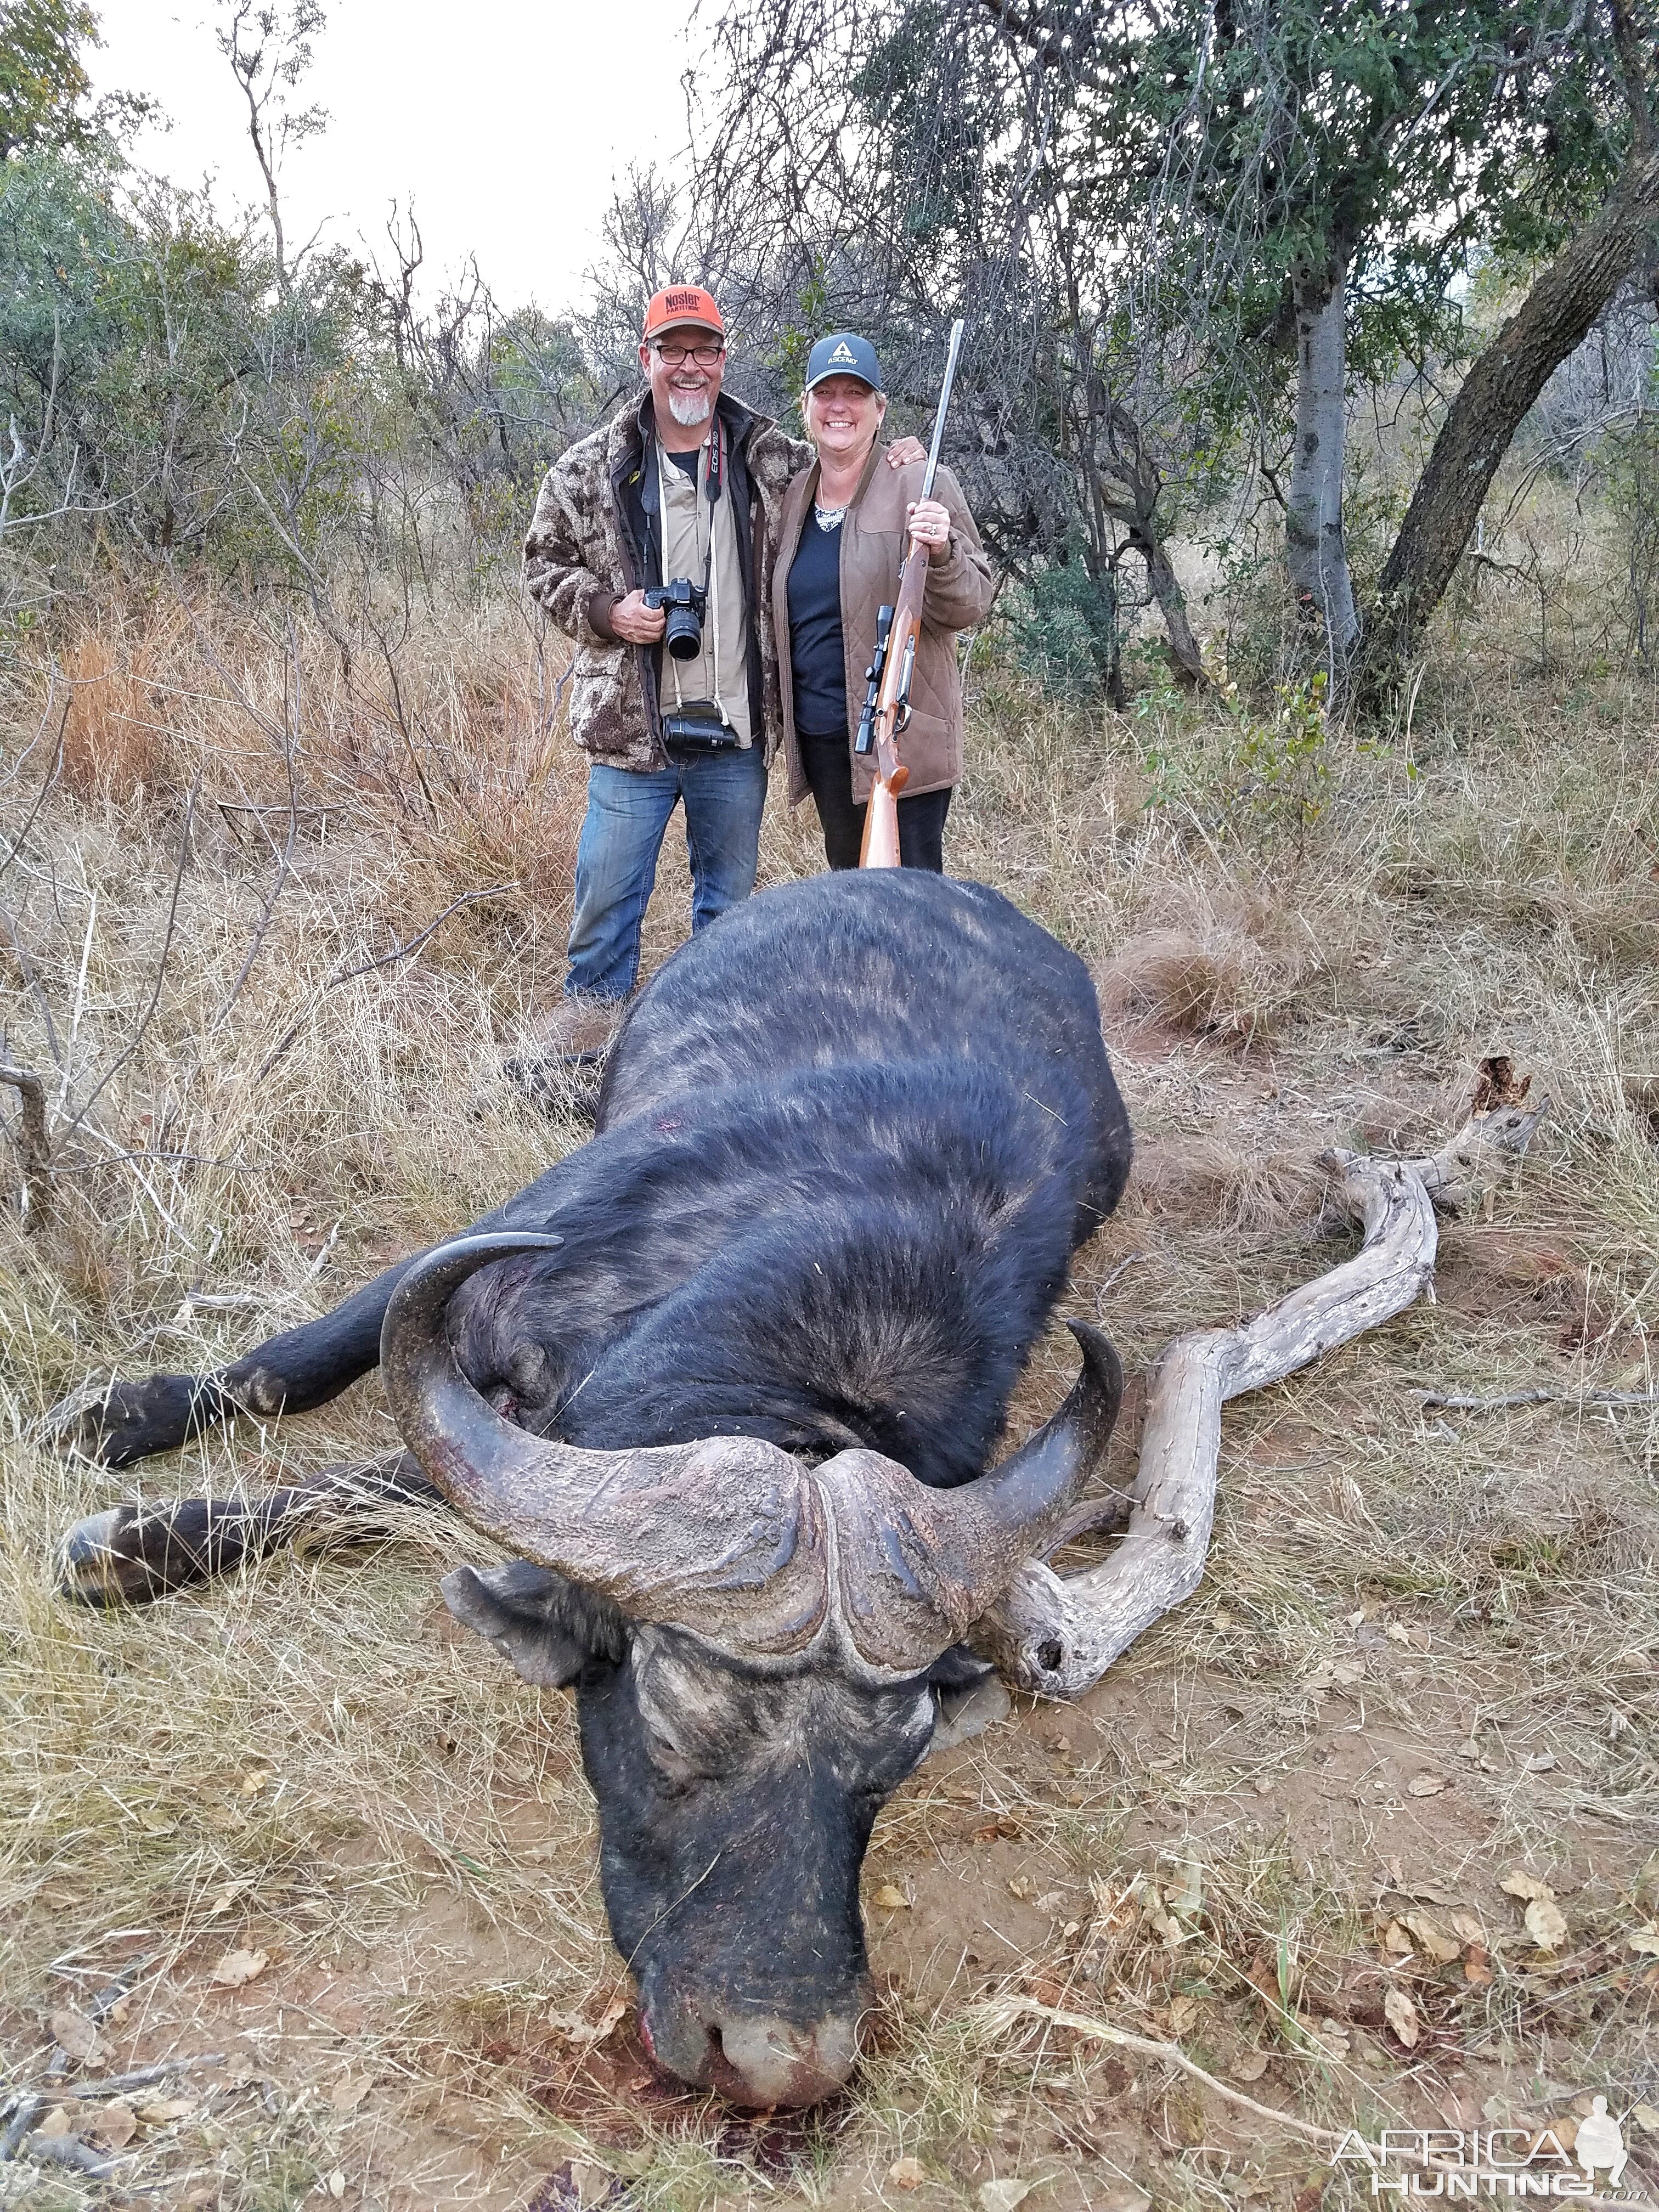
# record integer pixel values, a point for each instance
(889, 710)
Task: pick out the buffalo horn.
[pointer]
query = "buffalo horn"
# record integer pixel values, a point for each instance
(724, 1536)
(917, 1567)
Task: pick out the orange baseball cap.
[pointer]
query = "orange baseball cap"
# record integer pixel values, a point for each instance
(681, 303)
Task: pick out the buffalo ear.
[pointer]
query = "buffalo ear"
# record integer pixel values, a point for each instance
(547, 1629)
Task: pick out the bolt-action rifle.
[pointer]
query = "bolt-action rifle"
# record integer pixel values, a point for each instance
(887, 702)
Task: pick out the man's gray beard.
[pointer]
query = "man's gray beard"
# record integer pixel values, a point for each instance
(689, 408)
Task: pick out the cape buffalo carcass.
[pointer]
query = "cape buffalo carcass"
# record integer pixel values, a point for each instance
(730, 1379)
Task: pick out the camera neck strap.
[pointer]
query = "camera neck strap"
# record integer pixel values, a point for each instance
(714, 477)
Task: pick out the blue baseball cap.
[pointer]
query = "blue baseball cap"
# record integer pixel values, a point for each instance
(842, 353)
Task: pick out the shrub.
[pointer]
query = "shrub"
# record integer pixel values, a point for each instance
(1064, 625)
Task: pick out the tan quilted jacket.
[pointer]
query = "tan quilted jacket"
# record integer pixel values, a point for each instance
(957, 597)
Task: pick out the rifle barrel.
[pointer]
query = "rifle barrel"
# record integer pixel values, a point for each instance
(951, 360)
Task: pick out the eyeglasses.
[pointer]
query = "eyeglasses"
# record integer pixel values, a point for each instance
(676, 357)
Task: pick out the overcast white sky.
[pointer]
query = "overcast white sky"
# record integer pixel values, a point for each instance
(504, 123)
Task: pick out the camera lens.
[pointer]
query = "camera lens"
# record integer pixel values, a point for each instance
(683, 635)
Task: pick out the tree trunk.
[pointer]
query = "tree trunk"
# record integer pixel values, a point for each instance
(1316, 552)
(1131, 467)
(1551, 322)
(1186, 661)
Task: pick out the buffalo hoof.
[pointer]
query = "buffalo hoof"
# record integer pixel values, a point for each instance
(115, 1423)
(102, 1561)
(757, 2064)
(134, 1553)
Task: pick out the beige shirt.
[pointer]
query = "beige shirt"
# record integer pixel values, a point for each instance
(685, 540)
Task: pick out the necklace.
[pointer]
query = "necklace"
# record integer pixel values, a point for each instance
(829, 518)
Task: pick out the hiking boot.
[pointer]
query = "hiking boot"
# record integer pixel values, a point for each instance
(577, 1032)
(577, 1035)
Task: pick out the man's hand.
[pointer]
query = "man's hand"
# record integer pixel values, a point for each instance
(631, 619)
(903, 451)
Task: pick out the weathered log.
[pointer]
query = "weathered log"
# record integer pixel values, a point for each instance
(1479, 1157)
(1483, 1153)
(142, 2077)
(1056, 1637)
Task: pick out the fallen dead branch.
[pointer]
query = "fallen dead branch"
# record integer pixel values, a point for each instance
(1002, 2013)
(1481, 1155)
(69, 2151)
(1056, 1637)
(24, 2111)
(406, 951)
(34, 1145)
(1433, 1400)
(143, 2077)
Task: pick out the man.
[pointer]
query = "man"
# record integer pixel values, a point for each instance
(685, 483)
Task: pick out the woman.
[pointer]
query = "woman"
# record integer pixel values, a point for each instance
(842, 531)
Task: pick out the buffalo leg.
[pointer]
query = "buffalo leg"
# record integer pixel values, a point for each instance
(117, 1423)
(133, 1554)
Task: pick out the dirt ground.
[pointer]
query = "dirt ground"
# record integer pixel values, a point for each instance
(1368, 1833)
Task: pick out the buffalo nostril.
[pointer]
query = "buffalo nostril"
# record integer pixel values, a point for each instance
(755, 2060)
(772, 2062)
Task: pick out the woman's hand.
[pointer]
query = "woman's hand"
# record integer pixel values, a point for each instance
(903, 452)
(929, 524)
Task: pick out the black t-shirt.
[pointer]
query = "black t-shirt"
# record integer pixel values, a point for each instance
(816, 653)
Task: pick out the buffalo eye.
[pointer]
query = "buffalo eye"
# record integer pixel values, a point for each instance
(667, 1757)
(527, 1372)
(696, 1721)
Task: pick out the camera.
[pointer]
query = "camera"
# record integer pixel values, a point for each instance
(684, 602)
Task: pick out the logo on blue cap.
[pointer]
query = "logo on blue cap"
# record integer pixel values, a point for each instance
(843, 353)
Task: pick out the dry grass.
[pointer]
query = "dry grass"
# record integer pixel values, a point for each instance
(1217, 1844)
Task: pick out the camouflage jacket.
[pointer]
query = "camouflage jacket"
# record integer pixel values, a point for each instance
(589, 546)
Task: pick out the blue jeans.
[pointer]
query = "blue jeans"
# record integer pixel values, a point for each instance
(628, 811)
